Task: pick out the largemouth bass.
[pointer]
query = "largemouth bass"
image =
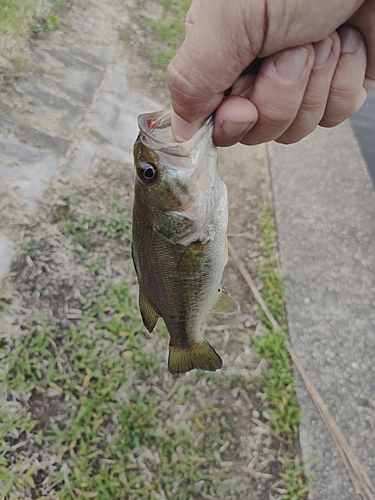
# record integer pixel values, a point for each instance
(180, 218)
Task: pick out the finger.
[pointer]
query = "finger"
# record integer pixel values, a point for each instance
(347, 94)
(236, 114)
(364, 21)
(369, 84)
(233, 120)
(314, 102)
(278, 92)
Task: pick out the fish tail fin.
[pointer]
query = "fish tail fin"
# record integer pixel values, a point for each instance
(200, 355)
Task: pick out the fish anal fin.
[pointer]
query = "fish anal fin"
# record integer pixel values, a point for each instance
(148, 313)
(200, 356)
(224, 303)
(191, 259)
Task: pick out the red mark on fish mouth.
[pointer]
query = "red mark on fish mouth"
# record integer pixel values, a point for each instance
(150, 123)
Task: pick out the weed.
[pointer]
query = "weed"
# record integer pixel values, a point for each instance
(118, 224)
(273, 291)
(166, 34)
(294, 479)
(96, 265)
(18, 59)
(19, 20)
(161, 59)
(30, 247)
(279, 380)
(279, 383)
(50, 23)
(70, 199)
(72, 227)
(171, 31)
(49, 190)
(98, 136)
(125, 34)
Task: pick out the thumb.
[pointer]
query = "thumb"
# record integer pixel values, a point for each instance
(210, 60)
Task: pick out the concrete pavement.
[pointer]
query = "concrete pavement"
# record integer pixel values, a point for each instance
(325, 213)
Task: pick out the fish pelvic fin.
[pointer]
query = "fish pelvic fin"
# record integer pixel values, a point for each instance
(224, 303)
(200, 356)
(148, 313)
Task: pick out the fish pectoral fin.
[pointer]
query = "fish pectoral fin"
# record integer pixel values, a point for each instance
(225, 303)
(200, 356)
(191, 259)
(148, 313)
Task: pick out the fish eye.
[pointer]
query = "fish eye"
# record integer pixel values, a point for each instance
(148, 172)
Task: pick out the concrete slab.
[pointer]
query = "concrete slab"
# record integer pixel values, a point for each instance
(116, 119)
(99, 56)
(325, 212)
(117, 154)
(6, 256)
(27, 169)
(117, 83)
(47, 111)
(38, 138)
(83, 156)
(363, 124)
(68, 75)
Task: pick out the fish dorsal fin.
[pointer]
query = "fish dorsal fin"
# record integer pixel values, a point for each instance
(148, 313)
(200, 355)
(224, 303)
(191, 259)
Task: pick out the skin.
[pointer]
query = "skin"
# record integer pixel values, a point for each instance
(290, 65)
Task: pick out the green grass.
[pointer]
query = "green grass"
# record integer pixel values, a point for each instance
(19, 21)
(170, 31)
(162, 58)
(104, 392)
(165, 34)
(294, 479)
(279, 382)
(123, 430)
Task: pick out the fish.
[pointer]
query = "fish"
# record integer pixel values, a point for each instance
(179, 238)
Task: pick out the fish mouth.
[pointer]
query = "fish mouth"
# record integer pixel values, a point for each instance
(156, 133)
(184, 222)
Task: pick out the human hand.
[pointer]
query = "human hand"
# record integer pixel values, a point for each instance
(311, 67)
